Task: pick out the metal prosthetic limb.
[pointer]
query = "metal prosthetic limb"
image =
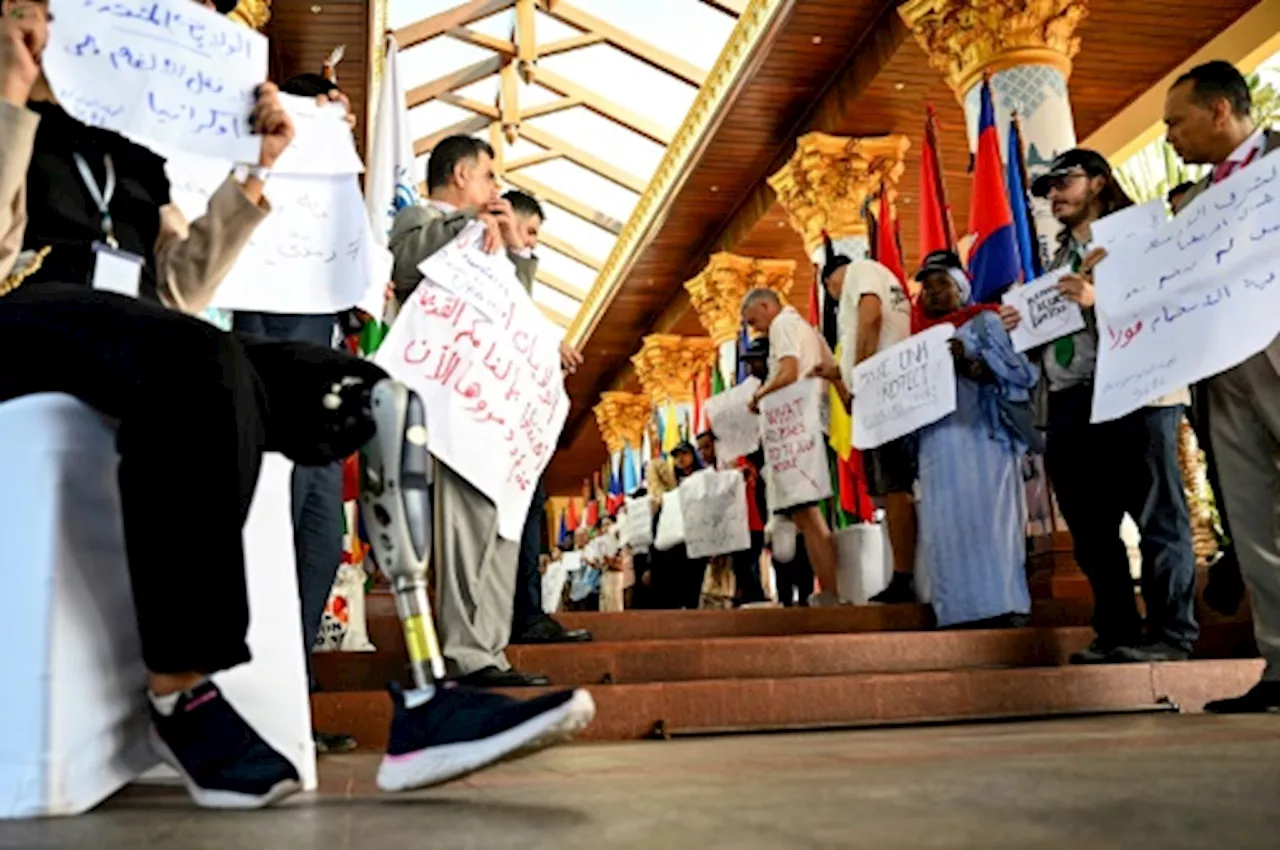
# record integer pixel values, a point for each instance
(396, 497)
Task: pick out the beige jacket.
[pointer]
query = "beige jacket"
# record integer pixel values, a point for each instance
(191, 258)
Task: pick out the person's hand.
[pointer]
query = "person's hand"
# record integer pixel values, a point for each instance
(1078, 288)
(570, 359)
(336, 96)
(1091, 260)
(491, 243)
(505, 216)
(270, 121)
(754, 404)
(827, 371)
(957, 350)
(1010, 316)
(24, 32)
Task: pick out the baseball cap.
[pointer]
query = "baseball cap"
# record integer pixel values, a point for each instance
(939, 261)
(1083, 159)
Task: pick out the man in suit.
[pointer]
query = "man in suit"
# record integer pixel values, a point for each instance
(1207, 112)
(475, 567)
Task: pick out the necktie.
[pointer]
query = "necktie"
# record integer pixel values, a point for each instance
(1064, 349)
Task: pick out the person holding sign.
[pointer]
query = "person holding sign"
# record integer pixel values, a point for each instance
(795, 351)
(1137, 454)
(100, 278)
(1208, 114)
(973, 510)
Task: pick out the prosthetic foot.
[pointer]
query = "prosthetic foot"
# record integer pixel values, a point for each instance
(396, 497)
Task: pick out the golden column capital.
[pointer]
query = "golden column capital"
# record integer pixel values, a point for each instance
(667, 363)
(829, 178)
(252, 13)
(965, 38)
(717, 291)
(622, 418)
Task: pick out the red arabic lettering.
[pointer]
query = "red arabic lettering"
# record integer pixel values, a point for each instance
(410, 344)
(1122, 338)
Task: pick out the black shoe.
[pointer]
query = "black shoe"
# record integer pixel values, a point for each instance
(1152, 651)
(492, 677)
(1098, 652)
(1263, 698)
(328, 743)
(223, 761)
(546, 630)
(901, 590)
(459, 731)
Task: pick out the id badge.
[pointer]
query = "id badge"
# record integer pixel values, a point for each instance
(115, 270)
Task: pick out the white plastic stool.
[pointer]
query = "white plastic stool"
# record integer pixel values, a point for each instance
(865, 561)
(74, 712)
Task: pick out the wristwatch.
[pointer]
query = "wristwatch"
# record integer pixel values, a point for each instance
(244, 171)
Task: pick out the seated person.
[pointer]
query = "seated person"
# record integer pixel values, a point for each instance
(197, 408)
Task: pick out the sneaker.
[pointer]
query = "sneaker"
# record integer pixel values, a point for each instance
(901, 591)
(224, 763)
(824, 599)
(459, 731)
(1151, 651)
(1262, 698)
(332, 743)
(1097, 652)
(545, 629)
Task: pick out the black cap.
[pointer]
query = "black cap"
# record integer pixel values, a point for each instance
(226, 7)
(833, 262)
(757, 349)
(939, 261)
(684, 446)
(1090, 162)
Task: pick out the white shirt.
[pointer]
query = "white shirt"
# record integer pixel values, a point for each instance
(791, 336)
(868, 277)
(1250, 149)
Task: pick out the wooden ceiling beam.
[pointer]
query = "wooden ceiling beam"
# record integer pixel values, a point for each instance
(532, 159)
(588, 161)
(564, 45)
(549, 108)
(733, 7)
(559, 284)
(602, 105)
(458, 16)
(465, 127)
(526, 39)
(419, 95)
(479, 39)
(485, 109)
(557, 318)
(629, 44)
(573, 205)
(594, 263)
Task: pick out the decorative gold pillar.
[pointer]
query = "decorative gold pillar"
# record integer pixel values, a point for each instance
(622, 418)
(717, 293)
(826, 183)
(1027, 47)
(252, 13)
(667, 363)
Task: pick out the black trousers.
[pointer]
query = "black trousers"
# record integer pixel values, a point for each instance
(1100, 472)
(316, 490)
(528, 605)
(197, 408)
(746, 571)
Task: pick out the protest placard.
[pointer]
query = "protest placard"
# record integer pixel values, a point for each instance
(1046, 314)
(635, 522)
(904, 388)
(1193, 298)
(322, 141)
(1123, 225)
(714, 507)
(166, 71)
(794, 445)
(486, 362)
(313, 254)
(737, 429)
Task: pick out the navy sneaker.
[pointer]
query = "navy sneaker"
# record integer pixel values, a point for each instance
(459, 731)
(223, 761)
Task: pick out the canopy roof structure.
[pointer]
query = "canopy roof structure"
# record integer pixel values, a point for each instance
(579, 100)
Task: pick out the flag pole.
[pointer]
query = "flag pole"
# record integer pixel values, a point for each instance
(940, 186)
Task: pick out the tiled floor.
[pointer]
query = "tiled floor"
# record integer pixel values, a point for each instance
(1140, 781)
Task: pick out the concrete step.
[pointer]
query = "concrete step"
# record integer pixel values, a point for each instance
(656, 709)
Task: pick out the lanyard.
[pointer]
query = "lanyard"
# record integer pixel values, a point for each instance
(102, 197)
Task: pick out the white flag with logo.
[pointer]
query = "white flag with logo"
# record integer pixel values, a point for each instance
(391, 183)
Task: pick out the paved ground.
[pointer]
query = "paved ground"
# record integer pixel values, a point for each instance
(1138, 781)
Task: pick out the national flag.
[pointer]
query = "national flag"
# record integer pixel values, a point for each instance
(563, 536)
(670, 429)
(937, 232)
(1020, 203)
(701, 392)
(570, 516)
(617, 496)
(743, 341)
(815, 305)
(887, 251)
(993, 260)
(390, 184)
(630, 470)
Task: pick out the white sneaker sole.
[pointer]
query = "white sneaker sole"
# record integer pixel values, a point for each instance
(437, 765)
(210, 798)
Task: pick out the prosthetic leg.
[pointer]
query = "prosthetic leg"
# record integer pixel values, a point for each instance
(396, 497)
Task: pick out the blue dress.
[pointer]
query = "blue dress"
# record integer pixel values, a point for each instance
(973, 509)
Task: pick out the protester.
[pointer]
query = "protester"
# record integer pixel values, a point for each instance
(745, 564)
(874, 314)
(684, 575)
(795, 350)
(173, 382)
(1137, 453)
(1208, 115)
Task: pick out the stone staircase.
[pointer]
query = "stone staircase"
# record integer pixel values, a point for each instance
(667, 673)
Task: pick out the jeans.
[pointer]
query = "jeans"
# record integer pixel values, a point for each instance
(1100, 472)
